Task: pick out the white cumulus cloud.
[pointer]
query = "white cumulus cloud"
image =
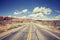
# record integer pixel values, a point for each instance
(58, 11)
(16, 13)
(43, 10)
(57, 17)
(23, 17)
(39, 13)
(25, 10)
(21, 12)
(9, 16)
(39, 16)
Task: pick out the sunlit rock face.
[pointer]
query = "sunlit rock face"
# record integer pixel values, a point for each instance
(1, 18)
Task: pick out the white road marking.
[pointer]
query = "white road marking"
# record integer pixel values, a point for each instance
(52, 34)
(39, 34)
(3, 35)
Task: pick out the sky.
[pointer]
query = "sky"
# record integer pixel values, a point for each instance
(34, 9)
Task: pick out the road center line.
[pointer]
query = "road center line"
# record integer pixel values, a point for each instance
(29, 34)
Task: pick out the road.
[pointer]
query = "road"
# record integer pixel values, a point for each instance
(31, 32)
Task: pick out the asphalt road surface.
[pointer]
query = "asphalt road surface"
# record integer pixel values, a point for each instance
(31, 32)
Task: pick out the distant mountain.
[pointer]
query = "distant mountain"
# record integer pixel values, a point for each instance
(5, 18)
(50, 22)
(14, 19)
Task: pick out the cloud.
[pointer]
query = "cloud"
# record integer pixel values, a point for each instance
(43, 10)
(38, 13)
(33, 15)
(21, 12)
(9, 16)
(57, 17)
(23, 17)
(39, 16)
(58, 11)
(19, 16)
(16, 13)
(24, 11)
(15, 16)
(36, 9)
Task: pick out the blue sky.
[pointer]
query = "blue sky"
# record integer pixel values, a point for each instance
(36, 9)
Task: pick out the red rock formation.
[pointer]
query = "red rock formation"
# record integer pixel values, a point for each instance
(7, 18)
(1, 18)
